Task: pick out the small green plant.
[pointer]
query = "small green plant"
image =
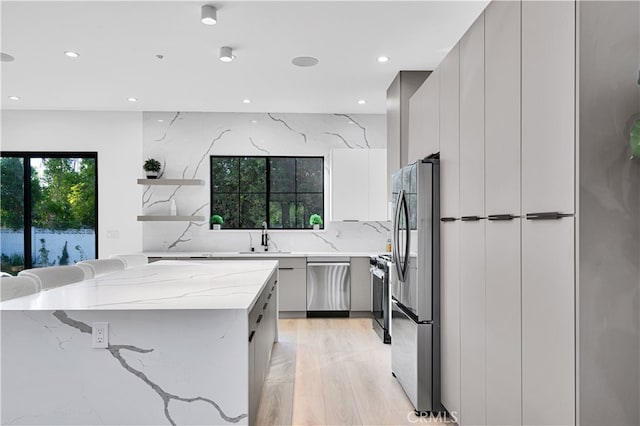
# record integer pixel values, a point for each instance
(315, 219)
(216, 219)
(152, 165)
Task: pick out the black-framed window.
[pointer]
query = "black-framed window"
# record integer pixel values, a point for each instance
(282, 191)
(48, 209)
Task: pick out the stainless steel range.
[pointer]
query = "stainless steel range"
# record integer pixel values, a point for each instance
(381, 269)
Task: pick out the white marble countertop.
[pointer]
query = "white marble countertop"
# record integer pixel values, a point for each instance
(167, 284)
(214, 254)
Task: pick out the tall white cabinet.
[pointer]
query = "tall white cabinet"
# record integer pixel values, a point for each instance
(507, 149)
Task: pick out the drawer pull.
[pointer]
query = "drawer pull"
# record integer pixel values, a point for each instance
(547, 216)
(502, 217)
(448, 219)
(470, 218)
(269, 296)
(265, 306)
(259, 319)
(286, 269)
(251, 335)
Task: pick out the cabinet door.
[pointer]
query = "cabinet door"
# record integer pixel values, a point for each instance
(502, 107)
(472, 120)
(449, 71)
(360, 284)
(472, 324)
(292, 291)
(254, 400)
(504, 339)
(349, 184)
(548, 106)
(450, 315)
(424, 128)
(377, 183)
(548, 322)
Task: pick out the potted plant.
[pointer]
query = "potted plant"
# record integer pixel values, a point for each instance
(152, 168)
(315, 220)
(216, 221)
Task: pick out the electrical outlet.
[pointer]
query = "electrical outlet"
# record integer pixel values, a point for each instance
(100, 335)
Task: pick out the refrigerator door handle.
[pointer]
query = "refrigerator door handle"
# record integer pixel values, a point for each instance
(396, 237)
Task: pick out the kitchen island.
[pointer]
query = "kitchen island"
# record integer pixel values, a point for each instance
(187, 343)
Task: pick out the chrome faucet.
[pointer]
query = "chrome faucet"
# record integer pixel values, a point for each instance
(265, 237)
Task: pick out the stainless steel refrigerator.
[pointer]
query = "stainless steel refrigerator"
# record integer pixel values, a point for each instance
(415, 293)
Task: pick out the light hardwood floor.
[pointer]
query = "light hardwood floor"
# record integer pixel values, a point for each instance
(332, 372)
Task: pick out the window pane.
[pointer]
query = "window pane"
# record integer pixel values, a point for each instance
(252, 210)
(283, 175)
(282, 211)
(224, 174)
(226, 205)
(12, 214)
(309, 174)
(253, 175)
(308, 204)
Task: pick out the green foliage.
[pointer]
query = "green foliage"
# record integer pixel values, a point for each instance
(67, 195)
(11, 193)
(635, 139)
(43, 255)
(315, 219)
(152, 165)
(216, 220)
(13, 263)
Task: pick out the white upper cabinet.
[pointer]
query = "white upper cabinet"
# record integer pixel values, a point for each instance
(472, 120)
(424, 137)
(548, 102)
(502, 107)
(449, 72)
(358, 180)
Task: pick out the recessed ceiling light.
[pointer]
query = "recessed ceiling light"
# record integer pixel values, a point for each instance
(226, 54)
(254, 121)
(362, 102)
(132, 99)
(351, 122)
(5, 57)
(208, 15)
(305, 61)
(14, 98)
(160, 120)
(383, 59)
(246, 101)
(71, 54)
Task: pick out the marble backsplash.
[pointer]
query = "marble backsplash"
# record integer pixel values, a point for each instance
(183, 143)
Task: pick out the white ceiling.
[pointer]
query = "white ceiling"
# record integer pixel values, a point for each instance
(118, 41)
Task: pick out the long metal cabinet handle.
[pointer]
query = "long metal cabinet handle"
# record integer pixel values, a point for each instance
(502, 217)
(259, 319)
(547, 215)
(264, 306)
(448, 219)
(470, 218)
(286, 269)
(251, 335)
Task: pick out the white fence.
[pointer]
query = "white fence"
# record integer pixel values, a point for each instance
(47, 245)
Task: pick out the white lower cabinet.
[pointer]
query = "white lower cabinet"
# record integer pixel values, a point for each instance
(503, 319)
(293, 289)
(472, 324)
(548, 322)
(360, 284)
(450, 316)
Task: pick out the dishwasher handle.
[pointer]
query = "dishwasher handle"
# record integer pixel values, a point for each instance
(329, 264)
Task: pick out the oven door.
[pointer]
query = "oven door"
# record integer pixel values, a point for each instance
(378, 299)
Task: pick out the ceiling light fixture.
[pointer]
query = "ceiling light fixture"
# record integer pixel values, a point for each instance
(362, 102)
(208, 15)
(383, 59)
(71, 54)
(14, 98)
(246, 101)
(226, 54)
(132, 99)
(5, 57)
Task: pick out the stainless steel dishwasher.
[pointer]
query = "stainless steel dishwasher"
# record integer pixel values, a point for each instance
(328, 286)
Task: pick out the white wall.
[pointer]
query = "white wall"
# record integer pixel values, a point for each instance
(116, 137)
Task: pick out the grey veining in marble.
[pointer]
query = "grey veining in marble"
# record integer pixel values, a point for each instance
(280, 120)
(164, 395)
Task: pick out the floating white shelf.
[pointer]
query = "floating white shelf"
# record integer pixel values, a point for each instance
(159, 218)
(170, 182)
